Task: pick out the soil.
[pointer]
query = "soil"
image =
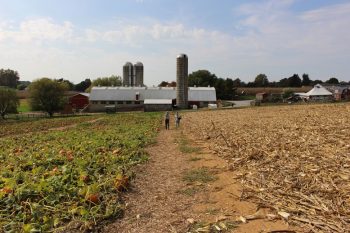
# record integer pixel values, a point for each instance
(161, 200)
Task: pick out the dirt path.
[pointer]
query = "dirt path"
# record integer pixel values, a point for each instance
(154, 203)
(186, 188)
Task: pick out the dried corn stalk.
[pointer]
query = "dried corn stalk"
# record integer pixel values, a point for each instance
(293, 159)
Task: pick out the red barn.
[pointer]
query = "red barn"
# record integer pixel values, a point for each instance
(79, 101)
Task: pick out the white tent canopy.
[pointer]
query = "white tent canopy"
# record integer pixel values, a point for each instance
(318, 90)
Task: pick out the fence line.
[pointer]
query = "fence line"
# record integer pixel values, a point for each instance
(40, 115)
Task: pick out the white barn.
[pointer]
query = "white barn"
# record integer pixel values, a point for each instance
(135, 98)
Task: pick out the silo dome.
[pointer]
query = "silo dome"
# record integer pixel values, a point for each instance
(182, 55)
(138, 64)
(128, 64)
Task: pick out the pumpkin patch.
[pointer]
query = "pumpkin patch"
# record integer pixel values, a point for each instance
(53, 177)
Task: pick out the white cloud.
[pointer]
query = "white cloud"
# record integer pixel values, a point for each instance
(273, 40)
(37, 30)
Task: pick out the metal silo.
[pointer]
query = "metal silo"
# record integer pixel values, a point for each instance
(128, 74)
(138, 72)
(182, 81)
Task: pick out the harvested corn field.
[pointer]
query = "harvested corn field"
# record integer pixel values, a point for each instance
(294, 160)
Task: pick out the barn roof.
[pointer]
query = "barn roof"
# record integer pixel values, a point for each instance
(201, 94)
(129, 93)
(84, 94)
(158, 101)
(162, 93)
(318, 90)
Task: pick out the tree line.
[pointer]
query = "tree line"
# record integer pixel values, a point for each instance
(45, 94)
(261, 80)
(10, 78)
(226, 88)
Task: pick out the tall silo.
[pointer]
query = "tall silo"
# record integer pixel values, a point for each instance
(128, 74)
(182, 81)
(138, 72)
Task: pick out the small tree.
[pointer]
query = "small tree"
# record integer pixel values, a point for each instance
(47, 95)
(261, 80)
(287, 93)
(306, 80)
(163, 84)
(8, 101)
(8, 78)
(294, 81)
(333, 81)
(82, 86)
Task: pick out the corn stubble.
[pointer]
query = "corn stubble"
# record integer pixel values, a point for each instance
(294, 160)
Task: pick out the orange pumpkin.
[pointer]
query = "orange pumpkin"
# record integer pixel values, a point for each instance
(121, 182)
(94, 198)
(6, 190)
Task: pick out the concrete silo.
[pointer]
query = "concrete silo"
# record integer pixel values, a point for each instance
(128, 74)
(138, 72)
(182, 81)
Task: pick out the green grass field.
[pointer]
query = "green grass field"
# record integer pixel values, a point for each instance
(246, 97)
(23, 106)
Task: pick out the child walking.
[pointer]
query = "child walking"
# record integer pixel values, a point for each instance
(167, 119)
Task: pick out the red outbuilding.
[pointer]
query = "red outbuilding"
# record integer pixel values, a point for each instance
(79, 101)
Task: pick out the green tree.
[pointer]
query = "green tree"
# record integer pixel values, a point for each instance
(333, 81)
(8, 101)
(294, 81)
(237, 83)
(163, 84)
(8, 78)
(83, 85)
(261, 80)
(220, 88)
(68, 83)
(172, 84)
(113, 80)
(201, 78)
(167, 84)
(283, 82)
(287, 93)
(306, 80)
(229, 89)
(315, 82)
(47, 95)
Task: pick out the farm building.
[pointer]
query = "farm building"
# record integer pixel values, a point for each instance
(340, 92)
(135, 98)
(153, 105)
(262, 97)
(79, 101)
(318, 93)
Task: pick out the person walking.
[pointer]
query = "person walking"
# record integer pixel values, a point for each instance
(177, 119)
(167, 119)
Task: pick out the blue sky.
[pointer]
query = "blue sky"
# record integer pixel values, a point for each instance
(81, 39)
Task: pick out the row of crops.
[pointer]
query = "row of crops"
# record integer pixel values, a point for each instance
(15, 127)
(72, 178)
